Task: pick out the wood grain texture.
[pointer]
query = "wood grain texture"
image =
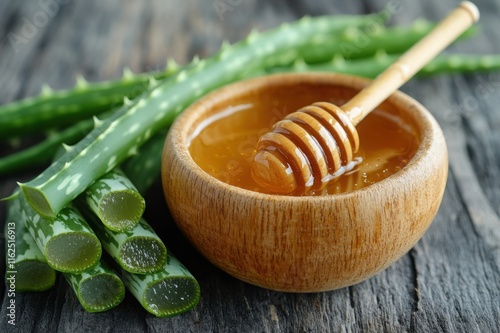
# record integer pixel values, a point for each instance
(449, 282)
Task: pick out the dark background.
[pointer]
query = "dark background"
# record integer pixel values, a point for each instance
(449, 282)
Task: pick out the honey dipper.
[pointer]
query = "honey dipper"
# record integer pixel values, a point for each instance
(315, 144)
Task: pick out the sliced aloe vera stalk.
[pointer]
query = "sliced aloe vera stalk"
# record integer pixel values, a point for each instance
(26, 264)
(98, 289)
(169, 292)
(115, 200)
(139, 250)
(67, 241)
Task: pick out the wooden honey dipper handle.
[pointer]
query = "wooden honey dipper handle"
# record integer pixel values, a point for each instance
(315, 144)
(411, 62)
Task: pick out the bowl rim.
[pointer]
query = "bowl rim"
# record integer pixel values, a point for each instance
(182, 127)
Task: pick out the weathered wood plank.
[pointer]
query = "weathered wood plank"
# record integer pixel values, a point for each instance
(467, 228)
(449, 282)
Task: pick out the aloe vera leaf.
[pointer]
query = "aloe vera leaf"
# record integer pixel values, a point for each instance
(67, 241)
(27, 267)
(119, 136)
(169, 292)
(462, 63)
(364, 41)
(139, 250)
(371, 67)
(42, 153)
(98, 289)
(115, 200)
(52, 109)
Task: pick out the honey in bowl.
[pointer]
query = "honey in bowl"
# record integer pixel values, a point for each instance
(224, 144)
(299, 243)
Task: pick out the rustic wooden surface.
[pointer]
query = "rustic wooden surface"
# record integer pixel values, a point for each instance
(449, 282)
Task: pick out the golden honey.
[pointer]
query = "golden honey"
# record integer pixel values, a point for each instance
(223, 145)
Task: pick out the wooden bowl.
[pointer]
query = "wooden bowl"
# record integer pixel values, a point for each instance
(303, 243)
